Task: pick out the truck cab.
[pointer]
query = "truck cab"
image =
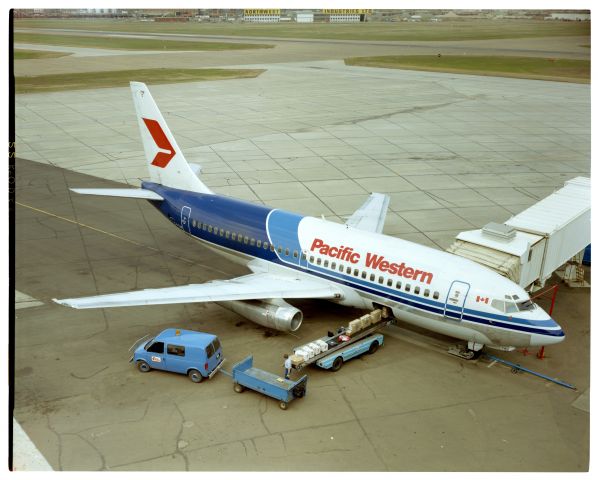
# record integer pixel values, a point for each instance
(195, 354)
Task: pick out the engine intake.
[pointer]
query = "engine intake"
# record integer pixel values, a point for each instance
(276, 314)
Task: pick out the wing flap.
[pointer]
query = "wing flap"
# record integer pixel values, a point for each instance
(250, 287)
(372, 214)
(119, 192)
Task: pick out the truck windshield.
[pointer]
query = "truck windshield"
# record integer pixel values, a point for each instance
(149, 343)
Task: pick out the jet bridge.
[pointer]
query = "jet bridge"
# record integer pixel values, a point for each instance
(530, 246)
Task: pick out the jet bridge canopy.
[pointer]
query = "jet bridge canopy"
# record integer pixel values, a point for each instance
(530, 246)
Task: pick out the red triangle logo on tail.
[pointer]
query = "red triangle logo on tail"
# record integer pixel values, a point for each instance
(164, 156)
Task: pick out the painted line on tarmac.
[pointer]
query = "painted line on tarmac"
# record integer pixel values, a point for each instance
(99, 230)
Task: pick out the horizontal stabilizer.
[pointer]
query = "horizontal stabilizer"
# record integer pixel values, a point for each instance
(119, 192)
(258, 286)
(372, 214)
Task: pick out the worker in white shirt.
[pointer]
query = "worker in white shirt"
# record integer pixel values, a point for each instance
(287, 366)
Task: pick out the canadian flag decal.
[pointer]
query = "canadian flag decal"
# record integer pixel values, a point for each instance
(481, 299)
(164, 156)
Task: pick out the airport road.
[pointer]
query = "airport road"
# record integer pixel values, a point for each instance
(405, 408)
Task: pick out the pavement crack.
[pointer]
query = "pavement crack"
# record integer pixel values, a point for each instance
(88, 376)
(178, 440)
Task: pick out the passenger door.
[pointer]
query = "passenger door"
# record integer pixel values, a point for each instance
(156, 356)
(177, 362)
(185, 219)
(455, 300)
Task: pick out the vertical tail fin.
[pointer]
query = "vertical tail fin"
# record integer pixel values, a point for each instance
(165, 160)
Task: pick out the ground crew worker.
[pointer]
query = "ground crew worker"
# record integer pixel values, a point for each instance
(287, 366)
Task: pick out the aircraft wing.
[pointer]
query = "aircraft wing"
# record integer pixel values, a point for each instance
(371, 215)
(257, 286)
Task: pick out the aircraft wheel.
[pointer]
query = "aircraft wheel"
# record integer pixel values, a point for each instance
(337, 364)
(373, 347)
(239, 388)
(194, 376)
(143, 366)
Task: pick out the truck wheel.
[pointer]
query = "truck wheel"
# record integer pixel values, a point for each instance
(283, 405)
(337, 364)
(143, 366)
(373, 347)
(194, 376)
(239, 388)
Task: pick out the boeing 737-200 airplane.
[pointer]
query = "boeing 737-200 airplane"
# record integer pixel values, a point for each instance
(294, 256)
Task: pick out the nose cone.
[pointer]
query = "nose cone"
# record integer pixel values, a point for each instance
(553, 333)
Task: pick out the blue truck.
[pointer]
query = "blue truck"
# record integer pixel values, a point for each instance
(195, 354)
(335, 360)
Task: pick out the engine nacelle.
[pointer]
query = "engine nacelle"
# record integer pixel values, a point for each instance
(276, 314)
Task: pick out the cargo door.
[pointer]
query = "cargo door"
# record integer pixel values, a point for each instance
(455, 300)
(185, 219)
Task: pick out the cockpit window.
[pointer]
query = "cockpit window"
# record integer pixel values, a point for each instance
(510, 307)
(498, 304)
(526, 305)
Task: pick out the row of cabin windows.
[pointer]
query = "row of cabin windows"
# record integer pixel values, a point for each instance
(239, 237)
(318, 261)
(381, 279)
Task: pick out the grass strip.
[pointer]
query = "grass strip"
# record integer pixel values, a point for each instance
(21, 54)
(461, 29)
(121, 78)
(123, 43)
(555, 69)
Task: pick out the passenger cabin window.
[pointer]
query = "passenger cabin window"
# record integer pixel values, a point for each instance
(177, 350)
(227, 235)
(319, 261)
(204, 227)
(380, 279)
(156, 347)
(389, 282)
(311, 259)
(279, 248)
(356, 272)
(416, 290)
(407, 287)
(286, 252)
(210, 228)
(194, 223)
(372, 277)
(426, 292)
(303, 257)
(325, 263)
(436, 296)
(259, 244)
(222, 232)
(398, 285)
(348, 270)
(341, 268)
(252, 242)
(333, 266)
(272, 249)
(364, 274)
(246, 240)
(295, 254)
(233, 236)
(266, 245)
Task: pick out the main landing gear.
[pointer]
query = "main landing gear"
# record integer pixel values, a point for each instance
(471, 352)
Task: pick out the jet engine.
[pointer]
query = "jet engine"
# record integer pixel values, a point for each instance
(276, 314)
